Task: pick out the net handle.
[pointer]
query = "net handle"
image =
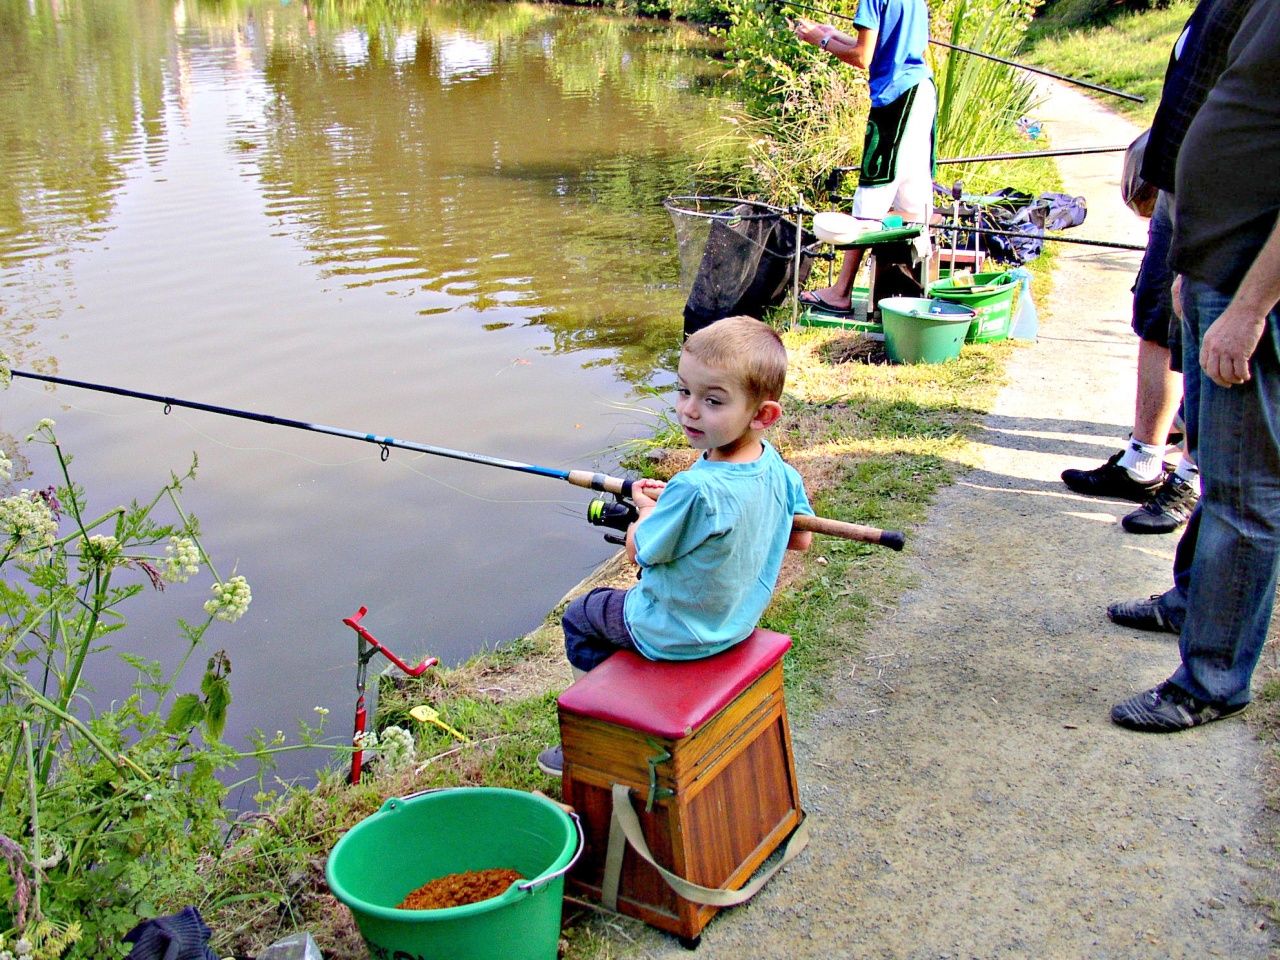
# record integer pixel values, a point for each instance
(772, 211)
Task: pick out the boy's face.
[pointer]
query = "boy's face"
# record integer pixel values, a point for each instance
(716, 413)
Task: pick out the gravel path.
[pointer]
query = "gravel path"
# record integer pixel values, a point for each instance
(968, 795)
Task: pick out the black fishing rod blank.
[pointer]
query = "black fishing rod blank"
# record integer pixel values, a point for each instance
(989, 56)
(948, 226)
(579, 478)
(1029, 155)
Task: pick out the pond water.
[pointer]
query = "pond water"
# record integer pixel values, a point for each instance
(439, 223)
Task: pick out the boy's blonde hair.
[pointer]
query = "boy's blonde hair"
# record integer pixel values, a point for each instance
(749, 350)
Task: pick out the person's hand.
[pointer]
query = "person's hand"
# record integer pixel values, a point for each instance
(1175, 292)
(645, 493)
(1229, 343)
(810, 32)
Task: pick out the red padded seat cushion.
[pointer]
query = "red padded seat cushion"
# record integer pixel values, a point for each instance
(672, 698)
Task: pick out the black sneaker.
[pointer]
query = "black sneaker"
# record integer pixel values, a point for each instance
(551, 761)
(1168, 709)
(1148, 614)
(1111, 480)
(1168, 510)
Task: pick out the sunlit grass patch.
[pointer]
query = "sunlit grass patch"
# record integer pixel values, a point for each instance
(1128, 54)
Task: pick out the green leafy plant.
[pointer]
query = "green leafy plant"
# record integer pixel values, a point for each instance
(103, 809)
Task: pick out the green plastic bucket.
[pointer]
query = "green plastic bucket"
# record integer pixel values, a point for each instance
(993, 308)
(919, 330)
(410, 841)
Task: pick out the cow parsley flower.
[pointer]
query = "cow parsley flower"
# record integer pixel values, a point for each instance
(395, 749)
(182, 560)
(101, 551)
(230, 600)
(44, 425)
(28, 520)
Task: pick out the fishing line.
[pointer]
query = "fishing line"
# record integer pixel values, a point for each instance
(989, 56)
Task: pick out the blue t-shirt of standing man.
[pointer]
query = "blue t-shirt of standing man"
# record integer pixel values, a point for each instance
(902, 33)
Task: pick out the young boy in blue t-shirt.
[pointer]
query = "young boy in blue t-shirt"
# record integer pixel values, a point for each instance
(709, 542)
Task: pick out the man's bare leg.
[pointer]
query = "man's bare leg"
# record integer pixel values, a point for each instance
(1159, 390)
(838, 295)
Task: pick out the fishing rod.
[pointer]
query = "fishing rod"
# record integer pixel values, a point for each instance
(948, 226)
(620, 488)
(1029, 155)
(990, 56)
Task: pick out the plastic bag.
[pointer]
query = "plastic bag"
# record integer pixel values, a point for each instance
(1139, 196)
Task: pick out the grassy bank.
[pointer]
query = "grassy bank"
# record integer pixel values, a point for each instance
(1129, 53)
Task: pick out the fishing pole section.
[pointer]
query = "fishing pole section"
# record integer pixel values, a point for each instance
(618, 487)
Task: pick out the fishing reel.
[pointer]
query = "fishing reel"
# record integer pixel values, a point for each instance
(617, 514)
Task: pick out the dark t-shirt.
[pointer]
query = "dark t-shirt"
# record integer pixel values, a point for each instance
(1191, 74)
(1227, 193)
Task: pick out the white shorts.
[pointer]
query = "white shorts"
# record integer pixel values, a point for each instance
(912, 191)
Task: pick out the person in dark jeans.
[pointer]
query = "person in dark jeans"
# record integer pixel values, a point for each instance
(1226, 252)
(1194, 66)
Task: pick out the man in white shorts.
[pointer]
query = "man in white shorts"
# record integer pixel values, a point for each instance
(897, 154)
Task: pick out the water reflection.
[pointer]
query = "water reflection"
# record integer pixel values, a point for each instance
(441, 223)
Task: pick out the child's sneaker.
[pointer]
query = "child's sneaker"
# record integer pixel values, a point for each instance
(551, 761)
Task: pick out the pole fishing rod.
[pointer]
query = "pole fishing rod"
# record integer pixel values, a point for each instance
(604, 483)
(990, 56)
(1029, 155)
(962, 228)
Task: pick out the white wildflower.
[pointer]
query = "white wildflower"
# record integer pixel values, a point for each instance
(365, 741)
(28, 520)
(44, 424)
(182, 560)
(56, 850)
(6, 955)
(230, 600)
(323, 711)
(100, 550)
(24, 946)
(395, 749)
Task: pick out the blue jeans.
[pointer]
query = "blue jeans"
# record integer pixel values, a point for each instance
(1174, 601)
(595, 628)
(1234, 436)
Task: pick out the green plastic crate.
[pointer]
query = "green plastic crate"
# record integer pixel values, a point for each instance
(994, 307)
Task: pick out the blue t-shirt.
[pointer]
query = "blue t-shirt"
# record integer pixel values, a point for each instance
(897, 64)
(710, 554)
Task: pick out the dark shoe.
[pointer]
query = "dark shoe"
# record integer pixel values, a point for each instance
(1148, 614)
(1111, 480)
(1168, 709)
(1168, 510)
(551, 761)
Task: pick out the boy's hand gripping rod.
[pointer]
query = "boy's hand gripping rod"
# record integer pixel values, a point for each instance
(893, 539)
(579, 478)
